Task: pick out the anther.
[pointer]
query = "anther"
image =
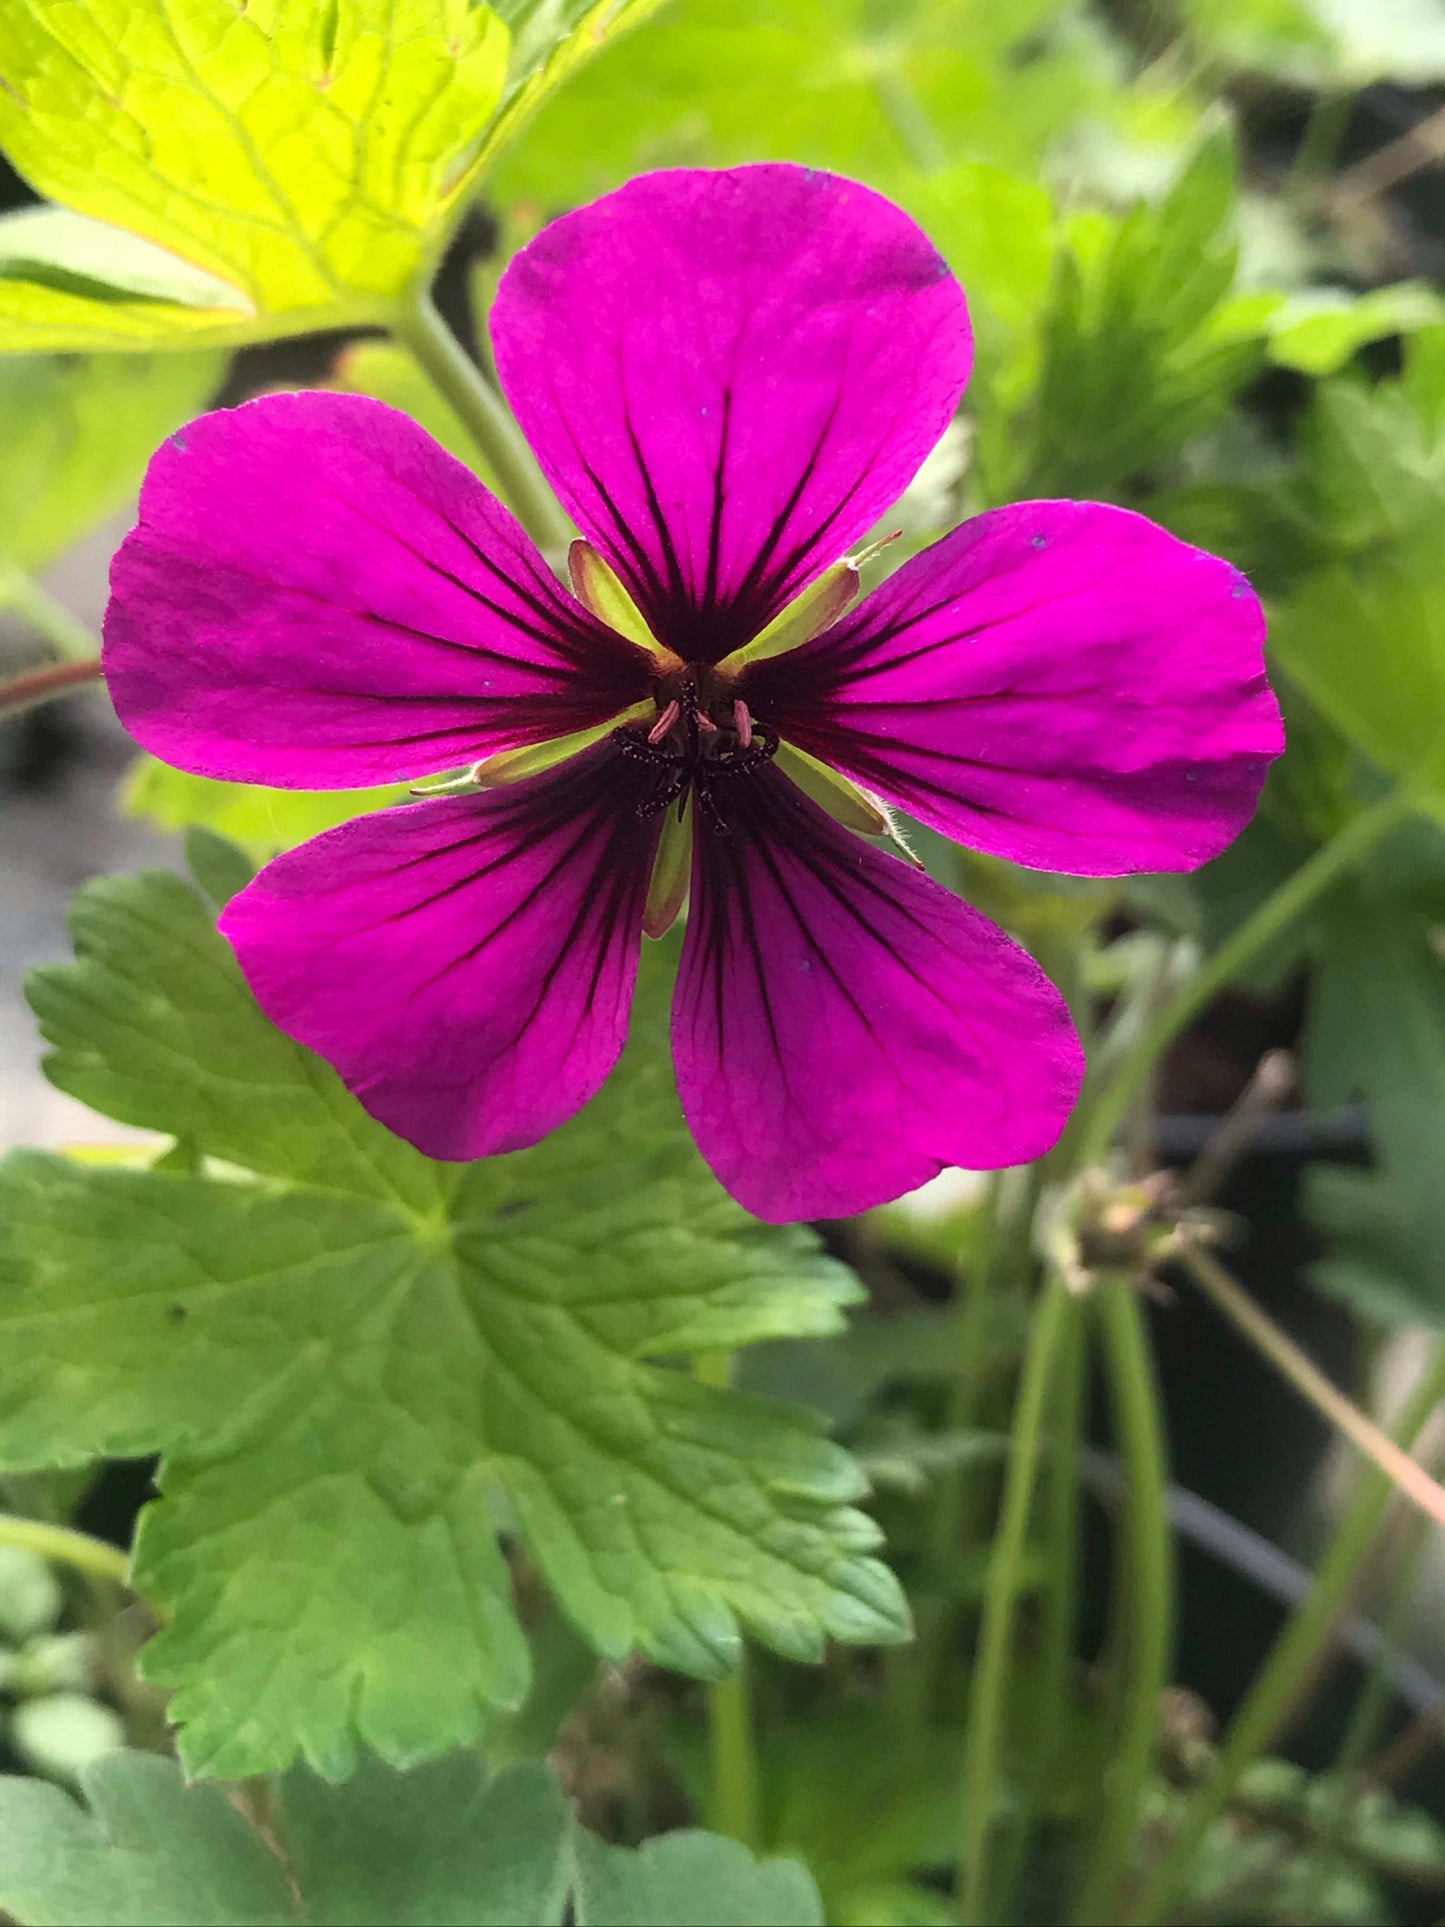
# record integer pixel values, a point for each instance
(706, 724)
(742, 723)
(664, 722)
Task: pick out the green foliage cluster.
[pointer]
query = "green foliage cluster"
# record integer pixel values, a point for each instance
(440, 1847)
(446, 1453)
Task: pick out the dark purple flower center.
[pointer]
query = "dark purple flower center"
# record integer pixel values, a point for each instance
(703, 741)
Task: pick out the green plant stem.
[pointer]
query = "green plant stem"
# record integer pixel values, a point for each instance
(66, 1547)
(1367, 1719)
(736, 1800)
(1291, 1659)
(987, 1699)
(737, 1807)
(1319, 146)
(971, 1347)
(458, 379)
(1058, 1627)
(957, 1494)
(1146, 1653)
(1106, 1111)
(70, 638)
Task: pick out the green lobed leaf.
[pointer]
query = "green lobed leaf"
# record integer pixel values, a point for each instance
(1374, 1257)
(1376, 1030)
(232, 173)
(441, 1846)
(1320, 331)
(78, 434)
(344, 1350)
(1144, 342)
(66, 281)
(689, 1879)
(301, 153)
(149, 1851)
(1367, 645)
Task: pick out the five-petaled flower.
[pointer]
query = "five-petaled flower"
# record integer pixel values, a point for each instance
(727, 377)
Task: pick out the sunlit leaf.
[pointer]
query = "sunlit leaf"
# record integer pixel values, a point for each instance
(1319, 332)
(246, 171)
(66, 281)
(77, 436)
(261, 820)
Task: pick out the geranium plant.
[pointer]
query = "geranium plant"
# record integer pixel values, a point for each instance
(693, 837)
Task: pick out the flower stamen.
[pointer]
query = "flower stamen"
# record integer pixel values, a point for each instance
(664, 722)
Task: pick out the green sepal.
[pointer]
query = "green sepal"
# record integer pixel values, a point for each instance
(511, 765)
(816, 609)
(842, 799)
(598, 588)
(671, 872)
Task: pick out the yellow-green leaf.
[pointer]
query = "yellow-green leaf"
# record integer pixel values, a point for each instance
(307, 153)
(68, 280)
(77, 437)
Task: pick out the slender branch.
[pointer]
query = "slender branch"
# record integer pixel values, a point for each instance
(982, 1737)
(70, 638)
(66, 1547)
(1423, 146)
(1109, 1107)
(35, 686)
(1311, 1384)
(1145, 1653)
(1291, 1659)
(1271, 1084)
(458, 379)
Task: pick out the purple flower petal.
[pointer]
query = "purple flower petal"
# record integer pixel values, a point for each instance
(318, 596)
(1061, 683)
(728, 377)
(467, 964)
(844, 1027)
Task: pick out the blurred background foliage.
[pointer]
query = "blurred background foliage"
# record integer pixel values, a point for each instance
(1203, 242)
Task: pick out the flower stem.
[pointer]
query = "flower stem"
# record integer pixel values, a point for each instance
(70, 638)
(1146, 1650)
(1311, 1384)
(983, 1734)
(1107, 1111)
(737, 1806)
(458, 379)
(36, 686)
(66, 1547)
(1291, 1659)
(1058, 1615)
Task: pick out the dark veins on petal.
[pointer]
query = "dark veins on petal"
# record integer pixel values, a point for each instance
(702, 623)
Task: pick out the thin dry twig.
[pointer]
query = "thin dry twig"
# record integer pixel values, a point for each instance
(35, 686)
(1271, 1084)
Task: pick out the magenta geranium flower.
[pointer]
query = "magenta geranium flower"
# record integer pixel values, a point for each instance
(728, 377)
